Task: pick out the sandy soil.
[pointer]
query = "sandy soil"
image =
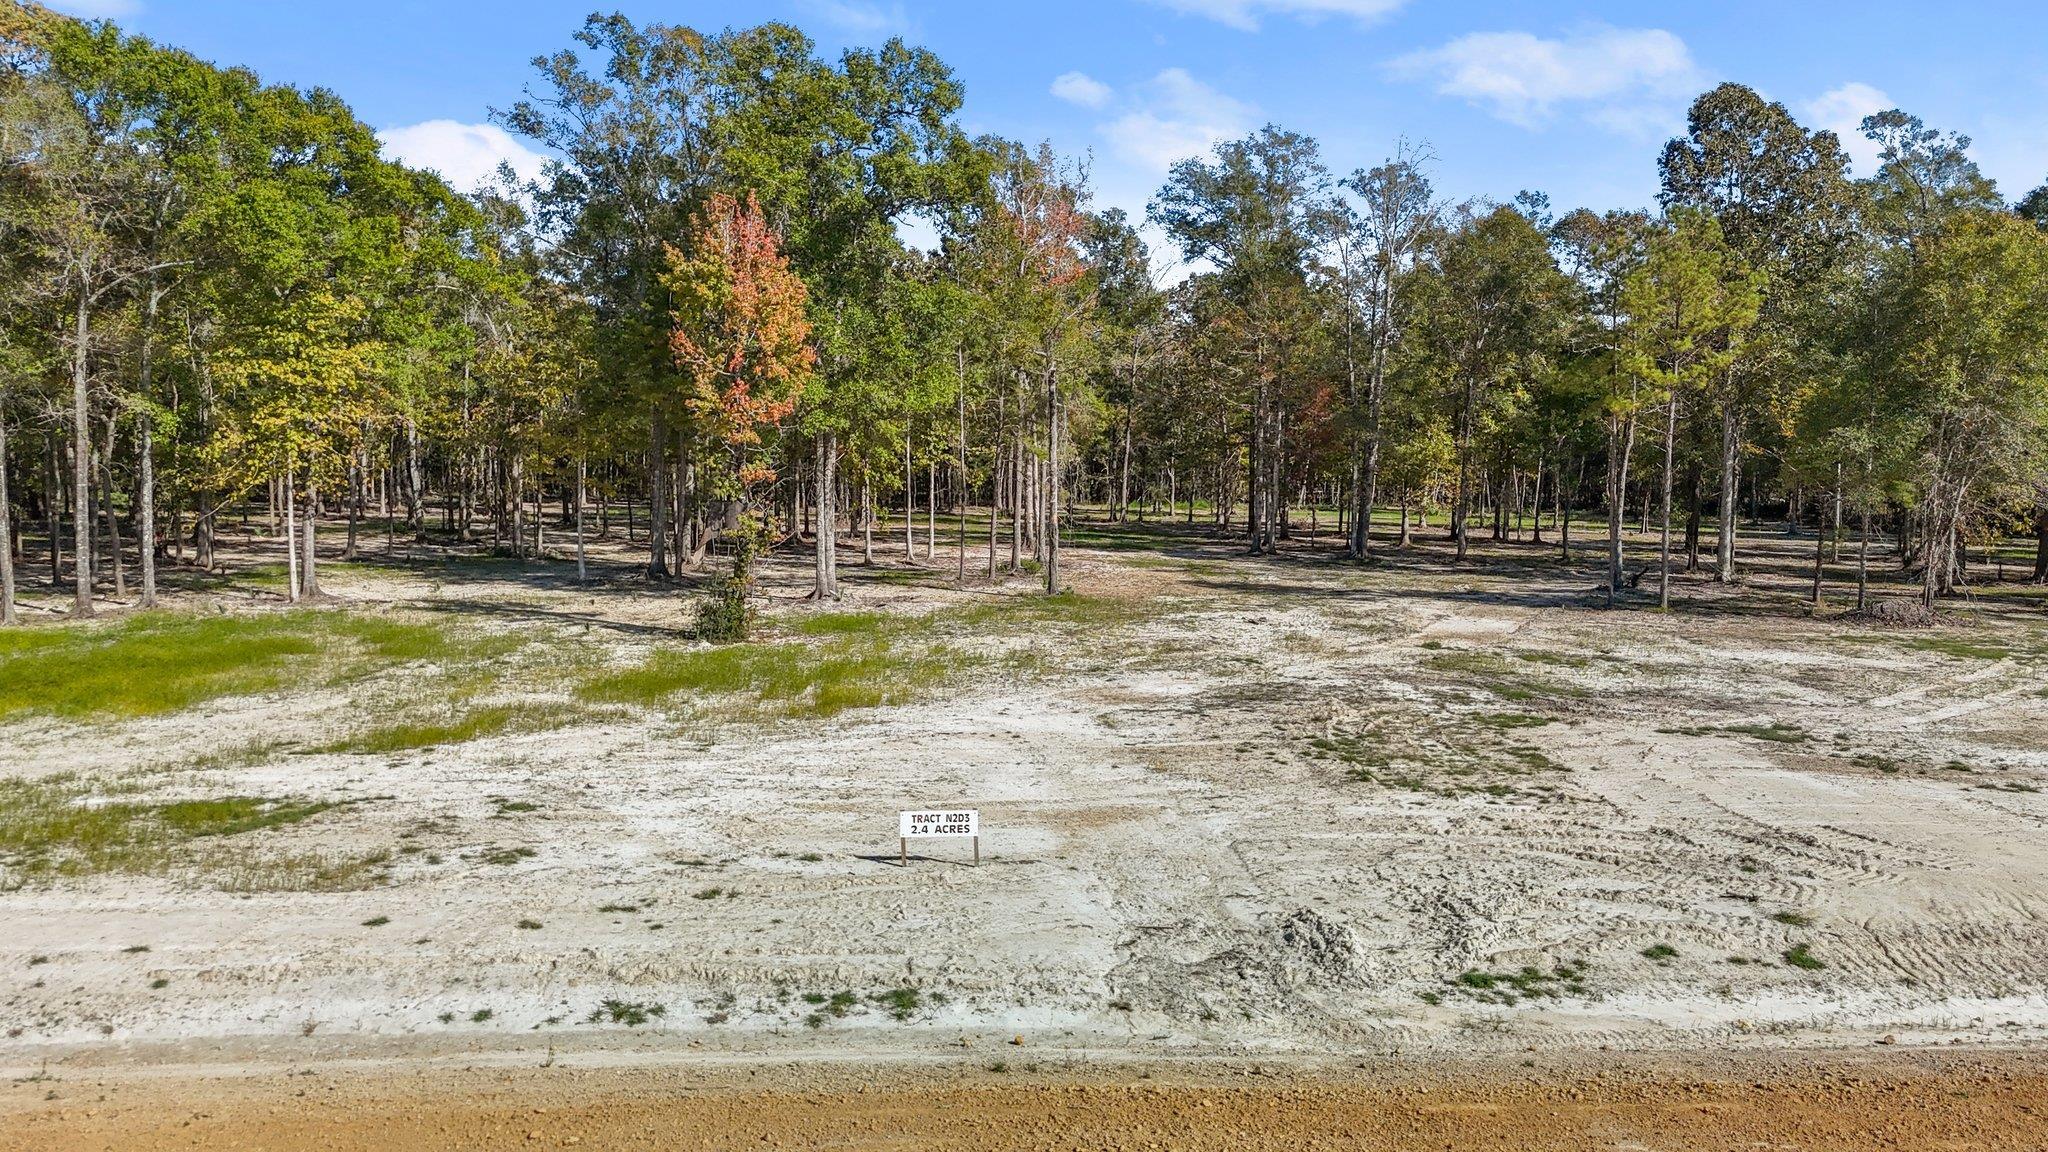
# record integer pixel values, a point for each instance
(1287, 809)
(1818, 1104)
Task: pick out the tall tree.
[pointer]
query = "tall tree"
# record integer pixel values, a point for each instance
(1690, 305)
(1780, 194)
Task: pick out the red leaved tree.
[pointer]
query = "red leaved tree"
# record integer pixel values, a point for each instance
(742, 342)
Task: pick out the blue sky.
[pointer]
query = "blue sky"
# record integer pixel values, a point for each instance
(1572, 100)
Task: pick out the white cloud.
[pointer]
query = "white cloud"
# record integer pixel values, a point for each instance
(1244, 14)
(98, 9)
(1626, 79)
(1081, 88)
(466, 155)
(1174, 116)
(1841, 111)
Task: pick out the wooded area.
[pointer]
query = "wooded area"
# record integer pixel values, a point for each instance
(702, 320)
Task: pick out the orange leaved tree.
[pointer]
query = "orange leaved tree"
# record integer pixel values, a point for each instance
(742, 342)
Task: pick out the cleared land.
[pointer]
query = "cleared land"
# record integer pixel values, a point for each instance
(1284, 810)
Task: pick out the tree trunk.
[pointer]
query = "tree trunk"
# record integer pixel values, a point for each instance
(53, 511)
(106, 463)
(1459, 504)
(826, 584)
(1724, 548)
(1017, 495)
(291, 539)
(657, 510)
(355, 507)
(309, 534)
(145, 493)
(415, 481)
(6, 530)
(1820, 551)
(960, 466)
(582, 480)
(1564, 510)
(1052, 482)
(1621, 436)
(1692, 516)
(81, 463)
(1664, 548)
(867, 523)
(1863, 562)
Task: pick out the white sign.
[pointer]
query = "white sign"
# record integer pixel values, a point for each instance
(913, 825)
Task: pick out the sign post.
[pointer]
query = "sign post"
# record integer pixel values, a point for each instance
(931, 825)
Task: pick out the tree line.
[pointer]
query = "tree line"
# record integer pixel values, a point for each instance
(702, 318)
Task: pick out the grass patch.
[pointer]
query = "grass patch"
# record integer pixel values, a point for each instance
(1497, 675)
(628, 1012)
(1776, 732)
(900, 1003)
(843, 624)
(825, 677)
(1510, 988)
(1794, 919)
(836, 662)
(149, 665)
(1956, 646)
(1798, 956)
(461, 727)
(1661, 953)
(62, 826)
(1508, 721)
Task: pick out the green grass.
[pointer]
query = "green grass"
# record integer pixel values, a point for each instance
(1660, 953)
(1799, 957)
(899, 1003)
(1955, 646)
(1497, 675)
(1504, 721)
(1776, 732)
(835, 662)
(62, 826)
(153, 664)
(628, 1012)
(843, 624)
(460, 727)
(1528, 982)
(232, 815)
(846, 670)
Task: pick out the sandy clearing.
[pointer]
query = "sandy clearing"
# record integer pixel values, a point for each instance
(1179, 857)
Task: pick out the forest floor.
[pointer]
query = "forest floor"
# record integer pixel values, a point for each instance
(1275, 813)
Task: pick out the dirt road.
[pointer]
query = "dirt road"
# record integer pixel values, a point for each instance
(1833, 1102)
